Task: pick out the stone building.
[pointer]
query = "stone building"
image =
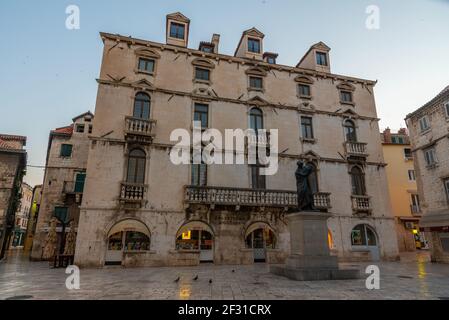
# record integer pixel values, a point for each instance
(140, 208)
(403, 190)
(429, 137)
(64, 177)
(34, 213)
(13, 159)
(22, 216)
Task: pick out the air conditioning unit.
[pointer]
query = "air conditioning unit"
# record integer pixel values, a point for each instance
(409, 225)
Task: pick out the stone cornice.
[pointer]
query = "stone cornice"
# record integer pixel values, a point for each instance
(232, 59)
(230, 100)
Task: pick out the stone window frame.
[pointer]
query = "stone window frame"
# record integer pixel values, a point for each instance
(136, 93)
(356, 128)
(256, 72)
(206, 64)
(253, 39)
(433, 150)
(146, 53)
(179, 23)
(71, 151)
(446, 188)
(317, 53)
(347, 88)
(307, 139)
(305, 81)
(363, 176)
(423, 130)
(129, 149)
(446, 109)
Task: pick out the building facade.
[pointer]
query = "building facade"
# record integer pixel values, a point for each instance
(65, 173)
(13, 159)
(34, 213)
(22, 217)
(403, 189)
(141, 209)
(429, 127)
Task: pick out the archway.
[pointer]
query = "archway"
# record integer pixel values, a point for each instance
(260, 237)
(196, 235)
(364, 236)
(126, 236)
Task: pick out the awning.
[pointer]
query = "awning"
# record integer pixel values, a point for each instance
(129, 225)
(435, 219)
(195, 225)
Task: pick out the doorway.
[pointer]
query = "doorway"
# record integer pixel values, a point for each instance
(260, 240)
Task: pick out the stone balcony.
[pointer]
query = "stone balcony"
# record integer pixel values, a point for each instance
(69, 192)
(241, 197)
(139, 130)
(132, 192)
(356, 149)
(361, 204)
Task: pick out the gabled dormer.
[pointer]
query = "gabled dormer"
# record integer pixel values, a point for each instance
(317, 58)
(250, 45)
(177, 32)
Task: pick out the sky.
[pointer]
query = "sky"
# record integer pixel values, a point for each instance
(48, 72)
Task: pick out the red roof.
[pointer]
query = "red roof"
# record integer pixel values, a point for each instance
(9, 142)
(64, 130)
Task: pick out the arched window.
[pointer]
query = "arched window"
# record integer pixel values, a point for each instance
(142, 105)
(363, 235)
(256, 119)
(350, 131)
(358, 181)
(136, 166)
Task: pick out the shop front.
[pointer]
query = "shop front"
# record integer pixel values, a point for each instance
(196, 236)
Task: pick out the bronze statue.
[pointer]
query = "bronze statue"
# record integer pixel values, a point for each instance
(305, 194)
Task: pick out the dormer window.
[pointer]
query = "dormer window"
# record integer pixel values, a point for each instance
(253, 45)
(255, 83)
(177, 30)
(206, 49)
(146, 65)
(321, 58)
(346, 96)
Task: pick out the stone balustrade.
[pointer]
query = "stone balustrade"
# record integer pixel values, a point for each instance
(361, 203)
(132, 192)
(357, 149)
(142, 127)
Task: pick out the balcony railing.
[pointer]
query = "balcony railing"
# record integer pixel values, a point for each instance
(357, 149)
(132, 192)
(250, 197)
(139, 127)
(361, 204)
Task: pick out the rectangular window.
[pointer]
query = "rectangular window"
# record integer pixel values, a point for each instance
(146, 65)
(446, 109)
(411, 175)
(304, 90)
(199, 174)
(255, 82)
(66, 150)
(202, 74)
(90, 128)
(430, 157)
(177, 30)
(408, 153)
(201, 113)
(415, 203)
(79, 182)
(446, 188)
(306, 128)
(80, 128)
(257, 180)
(254, 45)
(346, 96)
(62, 213)
(321, 59)
(424, 124)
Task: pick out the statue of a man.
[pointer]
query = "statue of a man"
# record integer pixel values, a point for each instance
(305, 194)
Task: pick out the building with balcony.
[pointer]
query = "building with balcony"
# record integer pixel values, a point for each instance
(65, 173)
(141, 209)
(13, 159)
(22, 217)
(403, 189)
(429, 138)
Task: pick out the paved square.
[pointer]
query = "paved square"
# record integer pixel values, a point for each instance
(412, 278)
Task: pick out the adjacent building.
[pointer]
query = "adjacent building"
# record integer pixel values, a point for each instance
(13, 158)
(65, 172)
(22, 217)
(141, 209)
(403, 189)
(32, 221)
(429, 137)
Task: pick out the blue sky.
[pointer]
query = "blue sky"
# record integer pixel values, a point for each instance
(48, 72)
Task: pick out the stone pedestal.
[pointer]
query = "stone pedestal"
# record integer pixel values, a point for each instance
(310, 257)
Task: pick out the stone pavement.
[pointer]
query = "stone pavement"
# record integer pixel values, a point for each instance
(412, 278)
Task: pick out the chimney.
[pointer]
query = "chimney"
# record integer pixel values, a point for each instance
(215, 41)
(387, 135)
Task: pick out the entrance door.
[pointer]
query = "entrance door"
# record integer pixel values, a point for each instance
(114, 253)
(259, 246)
(206, 247)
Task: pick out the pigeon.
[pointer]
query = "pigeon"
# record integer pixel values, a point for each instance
(210, 280)
(177, 279)
(196, 278)
(233, 270)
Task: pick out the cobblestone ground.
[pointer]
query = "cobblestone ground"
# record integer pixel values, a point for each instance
(412, 278)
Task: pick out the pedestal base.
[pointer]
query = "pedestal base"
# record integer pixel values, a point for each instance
(310, 259)
(315, 274)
